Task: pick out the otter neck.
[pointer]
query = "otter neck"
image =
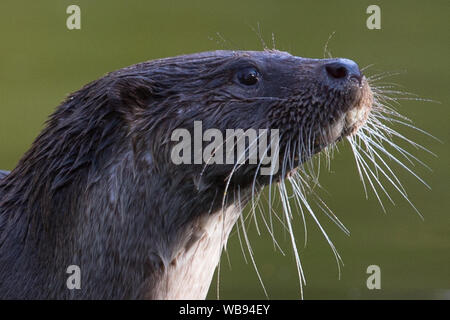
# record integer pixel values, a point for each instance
(133, 231)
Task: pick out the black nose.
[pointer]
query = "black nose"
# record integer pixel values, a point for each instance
(343, 69)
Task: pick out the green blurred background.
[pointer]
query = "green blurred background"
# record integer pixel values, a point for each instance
(41, 61)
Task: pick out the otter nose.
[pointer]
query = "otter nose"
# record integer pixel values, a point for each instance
(343, 69)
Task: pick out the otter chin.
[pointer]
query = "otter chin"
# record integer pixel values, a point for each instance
(98, 189)
(357, 115)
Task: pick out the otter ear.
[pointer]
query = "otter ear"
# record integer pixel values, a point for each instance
(134, 91)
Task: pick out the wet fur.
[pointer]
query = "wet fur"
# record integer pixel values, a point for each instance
(97, 188)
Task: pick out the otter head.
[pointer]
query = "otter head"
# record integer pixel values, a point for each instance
(311, 102)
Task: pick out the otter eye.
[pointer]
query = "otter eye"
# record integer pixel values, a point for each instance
(248, 76)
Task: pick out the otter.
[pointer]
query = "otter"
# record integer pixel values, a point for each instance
(97, 189)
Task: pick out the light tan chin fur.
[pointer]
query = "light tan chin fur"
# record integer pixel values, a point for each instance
(356, 117)
(353, 119)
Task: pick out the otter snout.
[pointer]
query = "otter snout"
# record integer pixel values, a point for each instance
(345, 75)
(351, 98)
(342, 70)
